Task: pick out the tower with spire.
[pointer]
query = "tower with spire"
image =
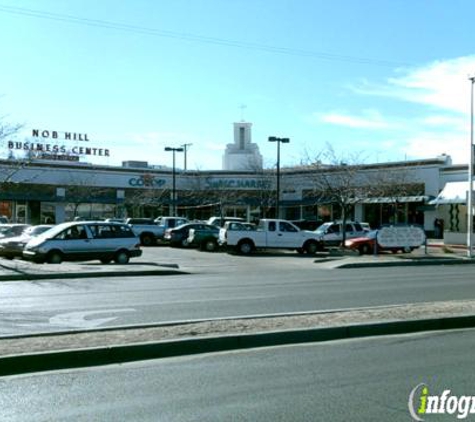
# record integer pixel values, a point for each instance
(242, 155)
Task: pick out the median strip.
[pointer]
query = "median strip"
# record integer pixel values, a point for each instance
(73, 350)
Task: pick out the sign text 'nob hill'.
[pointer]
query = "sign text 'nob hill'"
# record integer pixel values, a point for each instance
(68, 136)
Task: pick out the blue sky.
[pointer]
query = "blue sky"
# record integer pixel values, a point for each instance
(387, 80)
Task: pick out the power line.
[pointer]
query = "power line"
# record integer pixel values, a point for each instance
(196, 38)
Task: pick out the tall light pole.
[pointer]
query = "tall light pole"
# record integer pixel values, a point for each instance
(185, 148)
(277, 190)
(470, 178)
(174, 150)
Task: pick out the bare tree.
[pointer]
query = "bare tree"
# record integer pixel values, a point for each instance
(340, 181)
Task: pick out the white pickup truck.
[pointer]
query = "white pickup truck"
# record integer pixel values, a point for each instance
(270, 233)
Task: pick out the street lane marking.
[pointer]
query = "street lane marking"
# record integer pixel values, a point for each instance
(78, 319)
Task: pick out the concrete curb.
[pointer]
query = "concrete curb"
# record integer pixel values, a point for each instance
(68, 359)
(90, 274)
(409, 263)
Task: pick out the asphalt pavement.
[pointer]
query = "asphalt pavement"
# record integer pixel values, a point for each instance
(105, 346)
(366, 379)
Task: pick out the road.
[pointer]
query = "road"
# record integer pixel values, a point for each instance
(357, 380)
(220, 285)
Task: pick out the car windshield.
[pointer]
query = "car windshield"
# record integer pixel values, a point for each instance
(36, 230)
(323, 228)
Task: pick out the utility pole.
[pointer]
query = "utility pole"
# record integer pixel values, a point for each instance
(185, 149)
(277, 193)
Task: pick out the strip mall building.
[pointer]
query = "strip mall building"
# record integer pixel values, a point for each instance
(42, 191)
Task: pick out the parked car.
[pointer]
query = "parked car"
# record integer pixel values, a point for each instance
(146, 229)
(82, 241)
(206, 238)
(178, 236)
(270, 234)
(220, 221)
(12, 230)
(165, 223)
(12, 247)
(398, 240)
(331, 233)
(234, 225)
(115, 220)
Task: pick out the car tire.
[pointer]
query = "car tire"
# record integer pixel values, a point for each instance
(311, 248)
(147, 239)
(184, 243)
(209, 245)
(54, 257)
(245, 247)
(121, 257)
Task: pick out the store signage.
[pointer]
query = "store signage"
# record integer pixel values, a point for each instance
(67, 136)
(55, 149)
(212, 183)
(401, 236)
(147, 180)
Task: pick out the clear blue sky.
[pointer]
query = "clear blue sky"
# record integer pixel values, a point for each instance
(387, 79)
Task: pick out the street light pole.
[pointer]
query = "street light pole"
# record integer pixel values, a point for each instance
(277, 191)
(185, 148)
(174, 178)
(470, 178)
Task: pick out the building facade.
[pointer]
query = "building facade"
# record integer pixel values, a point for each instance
(45, 192)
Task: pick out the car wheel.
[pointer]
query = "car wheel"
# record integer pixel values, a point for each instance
(55, 257)
(210, 245)
(245, 247)
(311, 248)
(147, 240)
(185, 243)
(121, 257)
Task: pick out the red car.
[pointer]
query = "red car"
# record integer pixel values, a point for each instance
(365, 244)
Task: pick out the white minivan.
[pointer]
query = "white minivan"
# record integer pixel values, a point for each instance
(84, 241)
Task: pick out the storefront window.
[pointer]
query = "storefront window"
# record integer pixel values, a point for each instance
(6, 209)
(47, 213)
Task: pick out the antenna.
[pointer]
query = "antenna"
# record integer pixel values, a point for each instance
(242, 107)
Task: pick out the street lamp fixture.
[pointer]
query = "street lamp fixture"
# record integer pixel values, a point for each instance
(174, 150)
(277, 190)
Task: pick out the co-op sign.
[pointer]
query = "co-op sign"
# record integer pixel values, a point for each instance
(147, 181)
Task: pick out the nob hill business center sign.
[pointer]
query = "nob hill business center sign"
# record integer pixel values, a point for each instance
(52, 145)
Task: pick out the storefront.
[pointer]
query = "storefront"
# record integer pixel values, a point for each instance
(39, 191)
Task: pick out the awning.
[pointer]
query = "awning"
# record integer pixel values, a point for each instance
(392, 200)
(453, 193)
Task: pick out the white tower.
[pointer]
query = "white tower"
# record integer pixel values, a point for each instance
(242, 155)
